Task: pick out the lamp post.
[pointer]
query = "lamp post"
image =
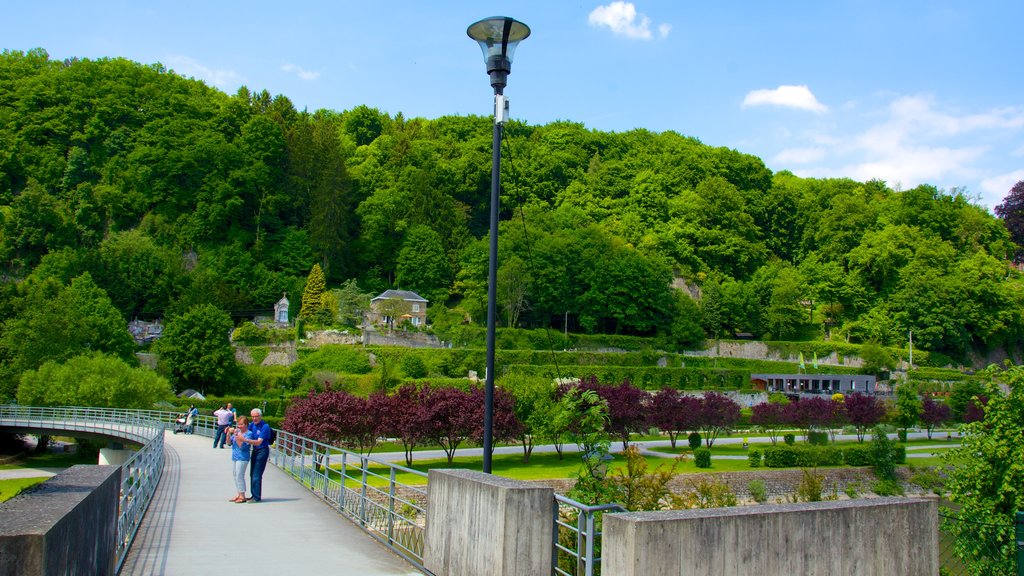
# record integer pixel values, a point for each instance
(498, 37)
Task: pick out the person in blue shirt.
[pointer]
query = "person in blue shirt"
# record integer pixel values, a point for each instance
(260, 454)
(240, 454)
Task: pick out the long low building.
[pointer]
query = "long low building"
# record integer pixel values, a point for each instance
(815, 383)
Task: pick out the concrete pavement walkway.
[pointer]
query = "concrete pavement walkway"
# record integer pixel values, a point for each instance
(15, 473)
(192, 528)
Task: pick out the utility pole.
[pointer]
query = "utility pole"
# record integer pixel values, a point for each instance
(911, 349)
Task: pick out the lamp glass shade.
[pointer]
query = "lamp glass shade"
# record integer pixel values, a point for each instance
(498, 36)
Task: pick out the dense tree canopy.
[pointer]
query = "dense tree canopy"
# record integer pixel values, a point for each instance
(173, 194)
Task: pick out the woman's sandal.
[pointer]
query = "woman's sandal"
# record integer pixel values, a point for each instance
(236, 500)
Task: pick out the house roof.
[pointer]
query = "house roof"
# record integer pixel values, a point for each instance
(400, 295)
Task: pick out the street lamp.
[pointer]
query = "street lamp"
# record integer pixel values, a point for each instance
(498, 37)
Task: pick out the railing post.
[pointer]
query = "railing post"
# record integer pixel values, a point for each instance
(344, 480)
(391, 507)
(362, 499)
(581, 564)
(1019, 524)
(590, 543)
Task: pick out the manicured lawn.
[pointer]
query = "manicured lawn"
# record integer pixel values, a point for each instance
(51, 460)
(11, 488)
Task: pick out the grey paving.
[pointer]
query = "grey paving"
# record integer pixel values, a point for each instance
(192, 528)
(16, 473)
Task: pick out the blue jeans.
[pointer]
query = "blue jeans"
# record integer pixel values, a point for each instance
(257, 465)
(220, 437)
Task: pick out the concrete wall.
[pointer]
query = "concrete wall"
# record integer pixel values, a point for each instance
(67, 525)
(873, 537)
(483, 524)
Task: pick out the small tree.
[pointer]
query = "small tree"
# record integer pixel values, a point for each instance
(934, 414)
(406, 419)
(452, 415)
(196, 350)
(674, 413)
(92, 380)
(864, 412)
(313, 294)
(626, 407)
(718, 415)
(768, 417)
(908, 405)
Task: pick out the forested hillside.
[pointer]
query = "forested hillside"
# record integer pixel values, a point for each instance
(169, 194)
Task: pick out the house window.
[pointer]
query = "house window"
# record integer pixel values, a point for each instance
(415, 321)
(415, 307)
(387, 320)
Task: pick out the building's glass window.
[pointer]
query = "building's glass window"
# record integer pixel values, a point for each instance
(415, 307)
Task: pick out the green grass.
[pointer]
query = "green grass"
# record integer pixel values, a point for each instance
(11, 488)
(51, 460)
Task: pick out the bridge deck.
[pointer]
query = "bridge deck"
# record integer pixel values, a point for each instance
(192, 528)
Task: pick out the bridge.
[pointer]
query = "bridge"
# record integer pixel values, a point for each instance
(329, 510)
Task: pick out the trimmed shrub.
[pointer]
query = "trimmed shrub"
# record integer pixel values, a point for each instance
(817, 438)
(780, 457)
(802, 456)
(859, 455)
(755, 458)
(694, 440)
(789, 439)
(702, 457)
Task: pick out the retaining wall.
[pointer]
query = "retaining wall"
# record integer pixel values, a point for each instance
(66, 525)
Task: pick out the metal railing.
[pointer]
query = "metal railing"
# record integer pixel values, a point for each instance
(577, 537)
(140, 474)
(370, 492)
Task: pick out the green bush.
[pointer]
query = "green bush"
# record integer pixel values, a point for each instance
(789, 439)
(758, 491)
(755, 458)
(780, 456)
(887, 487)
(413, 367)
(249, 333)
(702, 457)
(802, 456)
(817, 438)
(901, 435)
(694, 440)
(859, 455)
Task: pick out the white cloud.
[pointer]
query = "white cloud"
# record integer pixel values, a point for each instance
(623, 20)
(995, 188)
(912, 140)
(800, 155)
(300, 72)
(188, 67)
(799, 97)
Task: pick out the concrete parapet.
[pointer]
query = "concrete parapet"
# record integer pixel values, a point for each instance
(873, 537)
(483, 524)
(66, 525)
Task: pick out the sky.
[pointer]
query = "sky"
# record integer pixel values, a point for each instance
(910, 92)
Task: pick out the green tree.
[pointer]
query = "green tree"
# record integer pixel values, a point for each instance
(196, 350)
(54, 322)
(422, 265)
(313, 295)
(986, 479)
(908, 405)
(92, 380)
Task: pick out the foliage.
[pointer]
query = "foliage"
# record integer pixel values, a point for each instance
(758, 491)
(452, 416)
(197, 352)
(702, 457)
(313, 296)
(413, 367)
(249, 333)
(694, 440)
(788, 439)
(986, 477)
(92, 380)
(674, 413)
(934, 414)
(754, 458)
(718, 415)
(707, 492)
(769, 417)
(863, 411)
(626, 409)
(1011, 211)
(884, 456)
(337, 418)
(639, 489)
(811, 488)
(908, 405)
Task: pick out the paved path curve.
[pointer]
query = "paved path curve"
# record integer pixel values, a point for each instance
(192, 528)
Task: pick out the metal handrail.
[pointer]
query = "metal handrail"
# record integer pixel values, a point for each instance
(584, 552)
(140, 474)
(365, 490)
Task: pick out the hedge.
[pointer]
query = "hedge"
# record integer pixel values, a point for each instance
(645, 377)
(802, 456)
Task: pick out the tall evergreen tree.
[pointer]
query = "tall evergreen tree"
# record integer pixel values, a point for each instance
(313, 295)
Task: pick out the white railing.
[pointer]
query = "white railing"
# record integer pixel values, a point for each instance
(140, 474)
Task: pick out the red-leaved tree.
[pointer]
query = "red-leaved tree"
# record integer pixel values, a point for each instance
(718, 415)
(505, 425)
(934, 414)
(674, 413)
(816, 413)
(769, 417)
(452, 415)
(336, 418)
(627, 410)
(405, 419)
(864, 412)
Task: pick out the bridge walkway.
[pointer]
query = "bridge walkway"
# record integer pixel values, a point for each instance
(192, 528)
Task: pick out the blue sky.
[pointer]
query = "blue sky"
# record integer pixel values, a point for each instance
(906, 91)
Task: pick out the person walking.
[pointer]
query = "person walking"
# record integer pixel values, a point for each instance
(224, 419)
(241, 449)
(260, 454)
(190, 419)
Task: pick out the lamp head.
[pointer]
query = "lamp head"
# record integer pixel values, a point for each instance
(498, 37)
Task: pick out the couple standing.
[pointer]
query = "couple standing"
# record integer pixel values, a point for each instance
(250, 446)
